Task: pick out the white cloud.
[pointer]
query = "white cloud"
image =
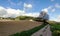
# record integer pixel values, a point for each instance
(15, 12)
(57, 5)
(1, 8)
(52, 0)
(2, 11)
(9, 12)
(45, 9)
(58, 18)
(53, 10)
(27, 5)
(31, 14)
(50, 8)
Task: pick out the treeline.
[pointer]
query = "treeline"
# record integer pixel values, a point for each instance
(24, 17)
(20, 18)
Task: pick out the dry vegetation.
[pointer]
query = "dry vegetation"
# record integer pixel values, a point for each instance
(11, 27)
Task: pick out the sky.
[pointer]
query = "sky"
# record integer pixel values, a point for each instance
(14, 8)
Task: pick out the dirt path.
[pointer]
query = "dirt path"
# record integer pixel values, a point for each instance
(11, 27)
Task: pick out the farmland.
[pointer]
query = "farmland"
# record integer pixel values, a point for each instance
(11, 27)
(55, 29)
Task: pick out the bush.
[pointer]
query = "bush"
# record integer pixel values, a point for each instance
(38, 19)
(24, 17)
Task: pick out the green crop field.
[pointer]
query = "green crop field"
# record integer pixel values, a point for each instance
(55, 28)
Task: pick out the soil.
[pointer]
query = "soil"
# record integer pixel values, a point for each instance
(12, 27)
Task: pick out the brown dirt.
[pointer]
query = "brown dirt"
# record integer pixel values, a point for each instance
(11, 27)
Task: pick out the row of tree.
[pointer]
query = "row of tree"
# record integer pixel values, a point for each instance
(22, 18)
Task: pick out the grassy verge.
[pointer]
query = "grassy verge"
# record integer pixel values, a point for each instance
(29, 32)
(55, 28)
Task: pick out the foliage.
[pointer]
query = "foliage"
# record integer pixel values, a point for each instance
(28, 17)
(24, 17)
(55, 28)
(38, 19)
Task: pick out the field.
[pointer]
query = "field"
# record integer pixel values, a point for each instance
(30, 31)
(12, 27)
(55, 28)
(15, 27)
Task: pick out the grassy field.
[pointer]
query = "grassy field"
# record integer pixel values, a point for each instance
(12, 27)
(55, 28)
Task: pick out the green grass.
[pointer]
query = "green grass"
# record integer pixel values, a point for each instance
(29, 32)
(55, 28)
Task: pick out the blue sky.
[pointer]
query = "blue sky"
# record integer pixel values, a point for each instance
(53, 6)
